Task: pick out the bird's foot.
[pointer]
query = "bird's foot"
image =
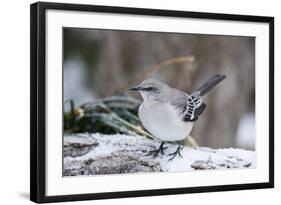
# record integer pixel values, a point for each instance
(174, 154)
(157, 151)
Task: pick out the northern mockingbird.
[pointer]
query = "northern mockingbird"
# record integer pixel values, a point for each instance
(168, 114)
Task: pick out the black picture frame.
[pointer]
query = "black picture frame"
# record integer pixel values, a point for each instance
(38, 101)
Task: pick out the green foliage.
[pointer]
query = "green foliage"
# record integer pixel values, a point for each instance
(116, 114)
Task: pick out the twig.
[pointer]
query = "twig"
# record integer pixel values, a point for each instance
(140, 76)
(177, 60)
(191, 141)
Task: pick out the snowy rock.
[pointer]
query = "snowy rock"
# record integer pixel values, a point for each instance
(91, 154)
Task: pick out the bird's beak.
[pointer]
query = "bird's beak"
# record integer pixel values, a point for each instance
(135, 88)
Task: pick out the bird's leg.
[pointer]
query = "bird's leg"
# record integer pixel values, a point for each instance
(174, 154)
(160, 149)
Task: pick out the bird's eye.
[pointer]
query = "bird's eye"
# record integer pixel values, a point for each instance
(148, 88)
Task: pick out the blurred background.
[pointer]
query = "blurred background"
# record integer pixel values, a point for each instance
(101, 63)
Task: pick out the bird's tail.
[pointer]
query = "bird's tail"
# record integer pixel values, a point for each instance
(209, 85)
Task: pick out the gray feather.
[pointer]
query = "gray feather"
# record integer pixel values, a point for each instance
(209, 85)
(186, 105)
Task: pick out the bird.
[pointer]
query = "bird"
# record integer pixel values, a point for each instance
(169, 113)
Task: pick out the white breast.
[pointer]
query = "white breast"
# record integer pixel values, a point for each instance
(163, 121)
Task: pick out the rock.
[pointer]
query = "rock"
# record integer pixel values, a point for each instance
(94, 154)
(228, 163)
(203, 164)
(116, 163)
(78, 145)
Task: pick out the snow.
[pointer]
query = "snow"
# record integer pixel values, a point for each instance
(138, 147)
(111, 143)
(217, 159)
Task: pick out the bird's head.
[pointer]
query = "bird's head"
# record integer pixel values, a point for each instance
(150, 89)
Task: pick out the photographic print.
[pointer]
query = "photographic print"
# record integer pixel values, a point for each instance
(130, 102)
(137, 101)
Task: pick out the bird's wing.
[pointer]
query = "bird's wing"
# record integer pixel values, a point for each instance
(188, 106)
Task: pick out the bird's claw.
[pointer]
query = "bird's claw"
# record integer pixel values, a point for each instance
(174, 154)
(162, 150)
(157, 151)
